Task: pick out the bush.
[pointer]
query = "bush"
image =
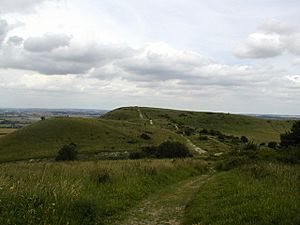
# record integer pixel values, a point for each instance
(250, 146)
(291, 138)
(289, 155)
(145, 136)
(272, 144)
(188, 131)
(204, 131)
(67, 152)
(137, 155)
(167, 149)
(244, 139)
(203, 138)
(170, 149)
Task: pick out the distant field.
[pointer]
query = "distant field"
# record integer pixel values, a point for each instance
(256, 129)
(44, 138)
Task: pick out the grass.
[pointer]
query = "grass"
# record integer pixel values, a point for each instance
(83, 192)
(4, 131)
(264, 193)
(259, 130)
(45, 138)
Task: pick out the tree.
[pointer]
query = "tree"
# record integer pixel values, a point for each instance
(291, 138)
(67, 152)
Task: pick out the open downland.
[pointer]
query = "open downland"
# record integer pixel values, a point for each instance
(259, 130)
(45, 138)
(166, 206)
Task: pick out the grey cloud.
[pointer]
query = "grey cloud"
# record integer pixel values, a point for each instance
(15, 40)
(46, 42)
(4, 28)
(61, 56)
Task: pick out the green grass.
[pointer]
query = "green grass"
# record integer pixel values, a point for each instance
(259, 194)
(44, 138)
(259, 130)
(83, 192)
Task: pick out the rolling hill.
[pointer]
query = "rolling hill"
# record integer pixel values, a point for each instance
(44, 138)
(256, 129)
(122, 130)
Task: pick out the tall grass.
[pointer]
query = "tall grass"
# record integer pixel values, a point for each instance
(265, 193)
(83, 192)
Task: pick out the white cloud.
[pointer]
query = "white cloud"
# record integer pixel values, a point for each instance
(260, 45)
(20, 6)
(274, 39)
(276, 26)
(296, 62)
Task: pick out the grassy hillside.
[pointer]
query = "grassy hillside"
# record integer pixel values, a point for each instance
(259, 130)
(44, 138)
(78, 193)
(264, 193)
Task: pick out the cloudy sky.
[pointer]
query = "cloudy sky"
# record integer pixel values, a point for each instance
(229, 55)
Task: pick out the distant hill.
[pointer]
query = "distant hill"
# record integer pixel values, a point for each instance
(44, 138)
(256, 129)
(124, 129)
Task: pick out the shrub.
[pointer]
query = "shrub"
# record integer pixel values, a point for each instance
(167, 149)
(244, 139)
(170, 149)
(272, 144)
(250, 146)
(289, 155)
(204, 131)
(145, 136)
(203, 138)
(291, 138)
(188, 131)
(67, 152)
(137, 155)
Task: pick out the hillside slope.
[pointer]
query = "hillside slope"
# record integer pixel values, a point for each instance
(258, 130)
(44, 138)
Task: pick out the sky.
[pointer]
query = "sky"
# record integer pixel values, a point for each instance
(206, 55)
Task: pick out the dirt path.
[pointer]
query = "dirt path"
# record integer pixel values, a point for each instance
(166, 206)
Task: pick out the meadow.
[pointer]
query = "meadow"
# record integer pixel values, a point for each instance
(260, 193)
(84, 192)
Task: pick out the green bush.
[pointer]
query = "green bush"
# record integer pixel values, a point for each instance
(289, 155)
(170, 149)
(291, 138)
(272, 144)
(166, 149)
(145, 136)
(244, 139)
(67, 152)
